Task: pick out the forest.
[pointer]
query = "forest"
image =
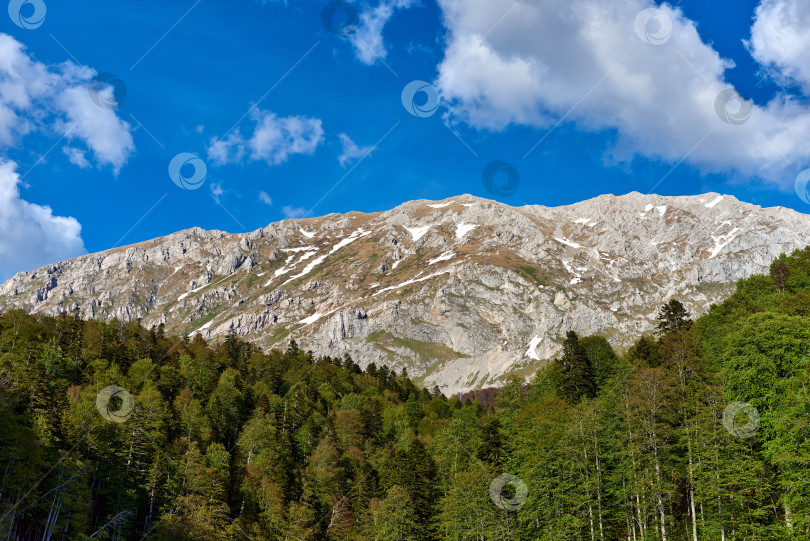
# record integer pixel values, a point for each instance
(697, 432)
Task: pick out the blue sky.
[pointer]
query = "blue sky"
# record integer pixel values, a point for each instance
(270, 101)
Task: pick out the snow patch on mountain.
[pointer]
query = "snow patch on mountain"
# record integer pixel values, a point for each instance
(721, 241)
(312, 264)
(567, 242)
(418, 232)
(409, 282)
(714, 202)
(193, 291)
(315, 317)
(462, 229)
(577, 276)
(532, 351)
(444, 257)
(359, 234)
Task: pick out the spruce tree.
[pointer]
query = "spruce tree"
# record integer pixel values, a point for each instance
(602, 357)
(673, 317)
(576, 379)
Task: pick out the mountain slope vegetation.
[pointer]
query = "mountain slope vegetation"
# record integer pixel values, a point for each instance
(701, 431)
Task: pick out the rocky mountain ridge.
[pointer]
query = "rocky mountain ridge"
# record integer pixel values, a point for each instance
(461, 292)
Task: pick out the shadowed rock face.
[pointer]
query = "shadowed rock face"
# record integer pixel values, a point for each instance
(460, 292)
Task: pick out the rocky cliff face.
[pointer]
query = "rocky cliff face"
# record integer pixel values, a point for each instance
(461, 292)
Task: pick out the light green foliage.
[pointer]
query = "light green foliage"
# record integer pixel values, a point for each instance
(228, 442)
(394, 518)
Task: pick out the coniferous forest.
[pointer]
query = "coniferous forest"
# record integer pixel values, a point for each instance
(699, 432)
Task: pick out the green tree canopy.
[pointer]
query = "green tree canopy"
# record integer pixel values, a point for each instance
(576, 378)
(673, 317)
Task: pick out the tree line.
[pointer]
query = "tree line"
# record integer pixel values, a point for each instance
(701, 431)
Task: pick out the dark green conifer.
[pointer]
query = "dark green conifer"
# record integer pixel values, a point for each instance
(673, 317)
(576, 379)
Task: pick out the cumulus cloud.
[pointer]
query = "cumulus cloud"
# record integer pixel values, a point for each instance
(780, 39)
(274, 140)
(367, 39)
(30, 235)
(76, 157)
(542, 62)
(55, 99)
(107, 136)
(264, 198)
(351, 151)
(228, 150)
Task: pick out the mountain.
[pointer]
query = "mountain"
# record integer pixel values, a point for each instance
(460, 292)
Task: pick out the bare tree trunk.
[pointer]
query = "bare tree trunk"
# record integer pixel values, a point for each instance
(658, 494)
(683, 380)
(587, 476)
(598, 487)
(642, 526)
(53, 512)
(634, 469)
(631, 521)
(692, 499)
(152, 496)
(249, 457)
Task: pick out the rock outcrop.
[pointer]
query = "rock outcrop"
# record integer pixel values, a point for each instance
(461, 292)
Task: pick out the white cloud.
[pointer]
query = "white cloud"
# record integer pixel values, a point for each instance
(216, 191)
(101, 129)
(264, 198)
(780, 39)
(30, 235)
(55, 99)
(368, 37)
(292, 213)
(274, 140)
(351, 151)
(76, 157)
(228, 150)
(581, 61)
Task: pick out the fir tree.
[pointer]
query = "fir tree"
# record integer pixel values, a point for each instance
(576, 379)
(673, 317)
(603, 358)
